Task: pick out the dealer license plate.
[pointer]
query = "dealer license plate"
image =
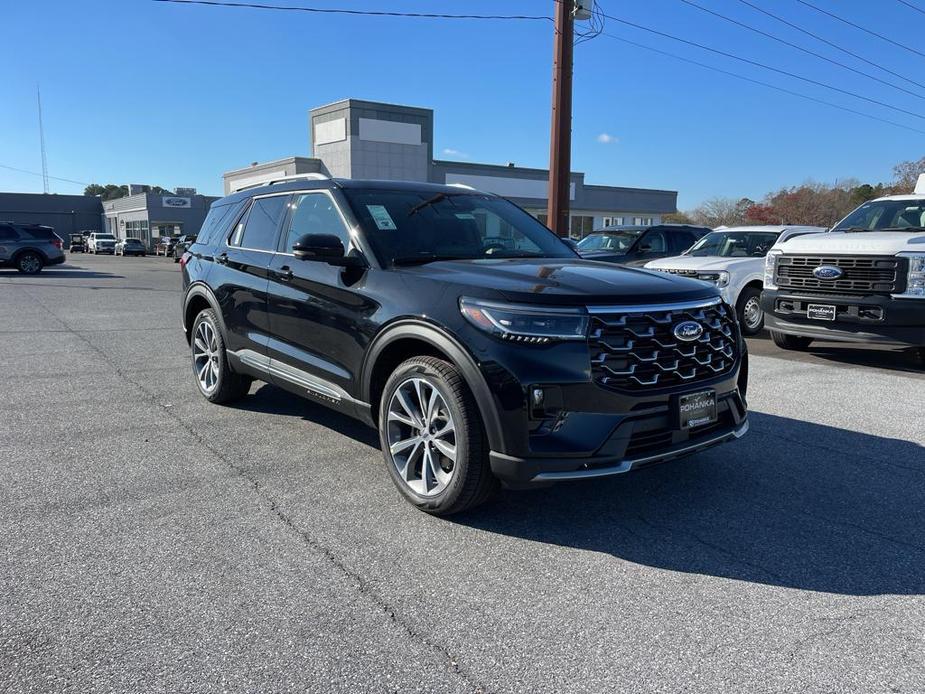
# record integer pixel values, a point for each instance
(820, 312)
(697, 409)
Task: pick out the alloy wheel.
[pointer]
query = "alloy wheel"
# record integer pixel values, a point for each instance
(206, 356)
(30, 264)
(421, 437)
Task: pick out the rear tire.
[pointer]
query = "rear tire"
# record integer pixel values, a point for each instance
(29, 263)
(751, 317)
(439, 473)
(792, 342)
(216, 381)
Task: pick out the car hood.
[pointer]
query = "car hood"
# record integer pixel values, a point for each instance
(561, 281)
(859, 242)
(706, 263)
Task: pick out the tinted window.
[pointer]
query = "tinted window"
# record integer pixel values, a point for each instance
(655, 240)
(7, 233)
(262, 223)
(37, 232)
(680, 241)
(617, 242)
(314, 213)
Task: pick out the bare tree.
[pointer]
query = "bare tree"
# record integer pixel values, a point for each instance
(905, 175)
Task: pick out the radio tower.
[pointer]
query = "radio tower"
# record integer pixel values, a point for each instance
(38, 93)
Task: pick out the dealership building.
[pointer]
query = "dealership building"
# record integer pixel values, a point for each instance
(366, 139)
(148, 216)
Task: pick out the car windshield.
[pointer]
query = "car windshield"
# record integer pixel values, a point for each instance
(734, 244)
(408, 226)
(885, 215)
(618, 242)
(132, 242)
(105, 237)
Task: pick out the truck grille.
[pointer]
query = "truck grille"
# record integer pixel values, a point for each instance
(674, 271)
(634, 350)
(863, 274)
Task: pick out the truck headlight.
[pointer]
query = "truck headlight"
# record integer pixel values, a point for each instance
(770, 264)
(524, 323)
(720, 279)
(915, 279)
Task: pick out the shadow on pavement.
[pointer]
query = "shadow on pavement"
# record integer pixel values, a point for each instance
(792, 504)
(65, 272)
(842, 354)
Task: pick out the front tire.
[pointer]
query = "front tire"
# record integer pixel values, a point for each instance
(216, 381)
(791, 342)
(433, 439)
(29, 263)
(751, 317)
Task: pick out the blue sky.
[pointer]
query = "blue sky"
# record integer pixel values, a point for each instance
(138, 91)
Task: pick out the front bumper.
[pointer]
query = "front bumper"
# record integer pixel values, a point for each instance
(866, 319)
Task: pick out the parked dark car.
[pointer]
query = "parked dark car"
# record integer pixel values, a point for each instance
(477, 360)
(131, 246)
(78, 244)
(182, 245)
(29, 247)
(637, 245)
(165, 245)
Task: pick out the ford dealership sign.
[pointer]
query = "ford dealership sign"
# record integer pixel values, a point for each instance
(175, 202)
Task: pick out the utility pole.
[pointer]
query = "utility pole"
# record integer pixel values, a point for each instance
(560, 146)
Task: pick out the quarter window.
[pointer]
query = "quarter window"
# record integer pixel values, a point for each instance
(314, 213)
(7, 233)
(262, 222)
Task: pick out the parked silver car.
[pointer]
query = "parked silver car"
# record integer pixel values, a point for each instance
(29, 247)
(131, 247)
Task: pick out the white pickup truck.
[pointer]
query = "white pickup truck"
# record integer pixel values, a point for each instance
(732, 258)
(99, 242)
(863, 282)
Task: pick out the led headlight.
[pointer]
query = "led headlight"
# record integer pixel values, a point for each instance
(915, 279)
(720, 279)
(770, 264)
(524, 323)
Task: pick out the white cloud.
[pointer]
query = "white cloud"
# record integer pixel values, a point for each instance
(450, 152)
(607, 138)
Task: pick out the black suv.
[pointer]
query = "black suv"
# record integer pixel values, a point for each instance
(637, 245)
(476, 341)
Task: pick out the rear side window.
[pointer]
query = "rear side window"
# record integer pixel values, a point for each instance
(37, 233)
(7, 233)
(262, 223)
(215, 222)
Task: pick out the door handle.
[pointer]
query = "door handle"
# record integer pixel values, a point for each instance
(284, 273)
(221, 259)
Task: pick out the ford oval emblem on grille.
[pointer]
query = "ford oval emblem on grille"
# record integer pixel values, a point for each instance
(688, 331)
(827, 272)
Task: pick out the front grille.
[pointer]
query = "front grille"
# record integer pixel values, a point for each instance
(674, 271)
(862, 274)
(638, 350)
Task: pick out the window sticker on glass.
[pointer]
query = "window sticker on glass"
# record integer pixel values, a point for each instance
(465, 215)
(381, 217)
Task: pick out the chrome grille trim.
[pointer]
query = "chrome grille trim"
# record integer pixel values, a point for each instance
(869, 274)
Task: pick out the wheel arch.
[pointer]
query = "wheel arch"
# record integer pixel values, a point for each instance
(199, 298)
(409, 338)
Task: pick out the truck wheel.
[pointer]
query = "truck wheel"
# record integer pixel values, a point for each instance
(790, 341)
(216, 381)
(433, 439)
(29, 263)
(751, 317)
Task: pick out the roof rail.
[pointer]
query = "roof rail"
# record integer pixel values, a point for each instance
(460, 185)
(312, 176)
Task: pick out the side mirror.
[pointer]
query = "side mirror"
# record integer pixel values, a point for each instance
(327, 248)
(571, 243)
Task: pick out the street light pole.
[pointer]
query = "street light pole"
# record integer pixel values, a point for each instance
(560, 147)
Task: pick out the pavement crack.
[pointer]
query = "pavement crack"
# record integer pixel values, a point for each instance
(363, 586)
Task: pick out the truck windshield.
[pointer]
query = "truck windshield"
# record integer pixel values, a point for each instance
(407, 226)
(734, 244)
(881, 215)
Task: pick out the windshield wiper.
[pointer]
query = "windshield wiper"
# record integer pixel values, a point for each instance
(424, 258)
(852, 229)
(916, 229)
(427, 203)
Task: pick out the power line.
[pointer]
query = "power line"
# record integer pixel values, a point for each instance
(830, 43)
(748, 61)
(914, 7)
(862, 28)
(370, 13)
(763, 84)
(799, 48)
(36, 173)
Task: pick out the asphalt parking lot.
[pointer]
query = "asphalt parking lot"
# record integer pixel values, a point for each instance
(155, 542)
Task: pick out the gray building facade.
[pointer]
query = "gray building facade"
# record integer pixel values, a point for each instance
(367, 139)
(68, 214)
(148, 216)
